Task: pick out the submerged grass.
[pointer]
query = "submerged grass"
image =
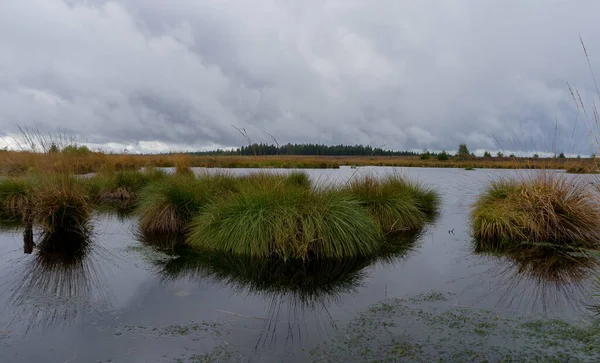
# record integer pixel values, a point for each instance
(289, 222)
(546, 208)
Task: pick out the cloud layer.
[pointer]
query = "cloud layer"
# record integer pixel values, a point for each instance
(153, 75)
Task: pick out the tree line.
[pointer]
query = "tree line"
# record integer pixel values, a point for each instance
(309, 149)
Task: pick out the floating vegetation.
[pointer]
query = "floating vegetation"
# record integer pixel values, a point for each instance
(432, 328)
(547, 208)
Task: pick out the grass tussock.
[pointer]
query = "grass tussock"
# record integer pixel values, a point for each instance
(166, 205)
(286, 222)
(182, 166)
(396, 203)
(60, 205)
(546, 208)
(119, 188)
(15, 199)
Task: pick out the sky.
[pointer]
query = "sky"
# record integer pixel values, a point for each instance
(153, 76)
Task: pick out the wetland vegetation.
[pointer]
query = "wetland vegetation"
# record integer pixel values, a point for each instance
(542, 208)
(305, 244)
(259, 215)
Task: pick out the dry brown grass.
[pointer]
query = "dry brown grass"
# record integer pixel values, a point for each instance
(544, 208)
(18, 162)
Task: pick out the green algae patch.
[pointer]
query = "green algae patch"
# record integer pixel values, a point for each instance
(430, 329)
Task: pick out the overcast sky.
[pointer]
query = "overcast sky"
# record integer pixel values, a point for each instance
(153, 75)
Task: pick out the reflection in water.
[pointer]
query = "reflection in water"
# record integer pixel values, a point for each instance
(121, 211)
(541, 277)
(59, 283)
(292, 289)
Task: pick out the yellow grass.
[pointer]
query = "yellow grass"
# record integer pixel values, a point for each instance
(18, 162)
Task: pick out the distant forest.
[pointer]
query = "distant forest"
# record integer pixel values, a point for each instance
(307, 149)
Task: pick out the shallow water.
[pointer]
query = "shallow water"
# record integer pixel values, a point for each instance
(127, 303)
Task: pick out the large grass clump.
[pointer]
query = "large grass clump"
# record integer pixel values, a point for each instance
(62, 210)
(288, 222)
(60, 205)
(166, 205)
(546, 208)
(396, 203)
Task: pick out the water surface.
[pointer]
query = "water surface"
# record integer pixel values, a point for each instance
(125, 302)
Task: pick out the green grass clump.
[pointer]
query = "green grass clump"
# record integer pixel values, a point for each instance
(546, 208)
(287, 222)
(166, 206)
(298, 179)
(15, 199)
(62, 209)
(396, 203)
(120, 188)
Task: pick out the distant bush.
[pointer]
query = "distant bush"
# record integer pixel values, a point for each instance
(443, 156)
(487, 154)
(73, 149)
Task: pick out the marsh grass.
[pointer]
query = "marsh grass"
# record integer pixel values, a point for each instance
(61, 204)
(284, 221)
(182, 166)
(166, 205)
(120, 189)
(298, 179)
(396, 203)
(544, 208)
(15, 199)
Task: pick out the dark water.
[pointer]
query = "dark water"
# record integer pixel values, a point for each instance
(125, 302)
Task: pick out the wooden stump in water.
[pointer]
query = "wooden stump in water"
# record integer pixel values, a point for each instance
(28, 243)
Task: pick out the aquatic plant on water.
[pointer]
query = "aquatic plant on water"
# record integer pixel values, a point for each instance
(546, 208)
(166, 206)
(396, 203)
(119, 189)
(61, 208)
(284, 221)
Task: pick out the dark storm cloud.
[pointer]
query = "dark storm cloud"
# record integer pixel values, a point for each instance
(150, 75)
